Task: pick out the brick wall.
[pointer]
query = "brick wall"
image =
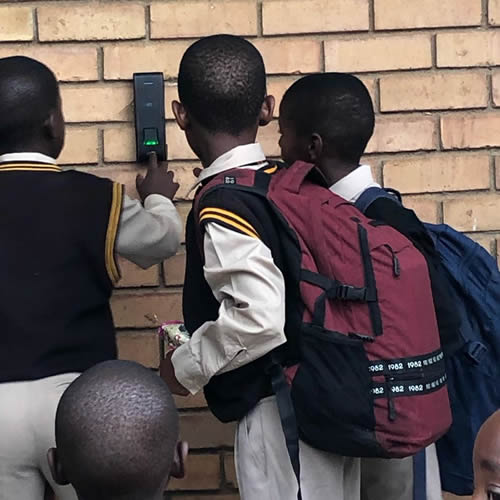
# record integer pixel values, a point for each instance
(432, 67)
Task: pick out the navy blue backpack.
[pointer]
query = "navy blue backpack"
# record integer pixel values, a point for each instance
(474, 371)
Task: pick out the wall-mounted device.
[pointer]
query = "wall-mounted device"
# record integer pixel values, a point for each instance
(149, 100)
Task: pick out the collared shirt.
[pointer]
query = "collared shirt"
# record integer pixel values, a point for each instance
(249, 286)
(354, 184)
(147, 234)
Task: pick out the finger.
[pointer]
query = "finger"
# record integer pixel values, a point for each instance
(197, 172)
(139, 180)
(152, 160)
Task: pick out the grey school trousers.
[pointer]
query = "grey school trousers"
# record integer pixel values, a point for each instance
(264, 470)
(383, 479)
(27, 431)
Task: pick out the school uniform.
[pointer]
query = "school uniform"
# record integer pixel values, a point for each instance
(234, 308)
(382, 478)
(60, 232)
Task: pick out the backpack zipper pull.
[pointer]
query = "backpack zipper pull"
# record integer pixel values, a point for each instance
(396, 268)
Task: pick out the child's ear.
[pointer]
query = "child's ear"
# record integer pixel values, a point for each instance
(56, 467)
(315, 148)
(181, 115)
(267, 110)
(52, 125)
(178, 466)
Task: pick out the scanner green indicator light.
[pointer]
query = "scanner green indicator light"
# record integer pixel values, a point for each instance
(151, 143)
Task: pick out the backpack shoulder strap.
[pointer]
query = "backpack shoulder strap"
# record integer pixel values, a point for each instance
(371, 194)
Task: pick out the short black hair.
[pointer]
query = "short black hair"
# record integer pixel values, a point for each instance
(336, 106)
(29, 92)
(116, 431)
(222, 83)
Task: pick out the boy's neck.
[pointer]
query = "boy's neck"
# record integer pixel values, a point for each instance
(34, 147)
(216, 145)
(333, 170)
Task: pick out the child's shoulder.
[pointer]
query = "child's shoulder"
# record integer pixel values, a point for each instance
(86, 178)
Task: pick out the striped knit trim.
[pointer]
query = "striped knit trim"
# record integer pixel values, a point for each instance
(29, 167)
(230, 219)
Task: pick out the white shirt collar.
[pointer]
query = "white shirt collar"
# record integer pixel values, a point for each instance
(29, 157)
(352, 185)
(249, 155)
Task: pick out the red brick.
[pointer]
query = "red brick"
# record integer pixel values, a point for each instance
(80, 146)
(435, 173)
(485, 240)
(97, 103)
(497, 171)
(496, 88)
(174, 269)
(378, 53)
(141, 347)
(394, 134)
(290, 55)
(494, 12)
(202, 473)
(190, 402)
(16, 24)
(134, 276)
(425, 208)
(171, 94)
(230, 471)
(196, 19)
(478, 212)
(69, 63)
(450, 90)
(203, 430)
(268, 137)
(79, 21)
(139, 310)
(468, 48)
(476, 130)
(183, 209)
(121, 61)
(314, 16)
(401, 14)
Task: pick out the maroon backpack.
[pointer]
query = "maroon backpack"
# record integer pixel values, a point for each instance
(370, 379)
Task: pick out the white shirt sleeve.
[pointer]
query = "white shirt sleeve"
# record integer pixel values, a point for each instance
(251, 290)
(148, 234)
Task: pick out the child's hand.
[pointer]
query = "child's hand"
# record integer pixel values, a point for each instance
(158, 180)
(167, 373)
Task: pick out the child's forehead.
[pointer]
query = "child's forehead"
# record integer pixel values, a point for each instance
(488, 444)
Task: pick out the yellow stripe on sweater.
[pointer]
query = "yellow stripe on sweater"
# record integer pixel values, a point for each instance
(114, 220)
(227, 213)
(230, 222)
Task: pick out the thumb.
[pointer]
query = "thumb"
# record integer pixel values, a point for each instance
(139, 180)
(197, 172)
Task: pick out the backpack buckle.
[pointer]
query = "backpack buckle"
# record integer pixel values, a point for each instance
(352, 293)
(476, 351)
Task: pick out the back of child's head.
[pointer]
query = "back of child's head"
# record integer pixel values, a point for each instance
(116, 433)
(222, 83)
(337, 107)
(487, 460)
(29, 96)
